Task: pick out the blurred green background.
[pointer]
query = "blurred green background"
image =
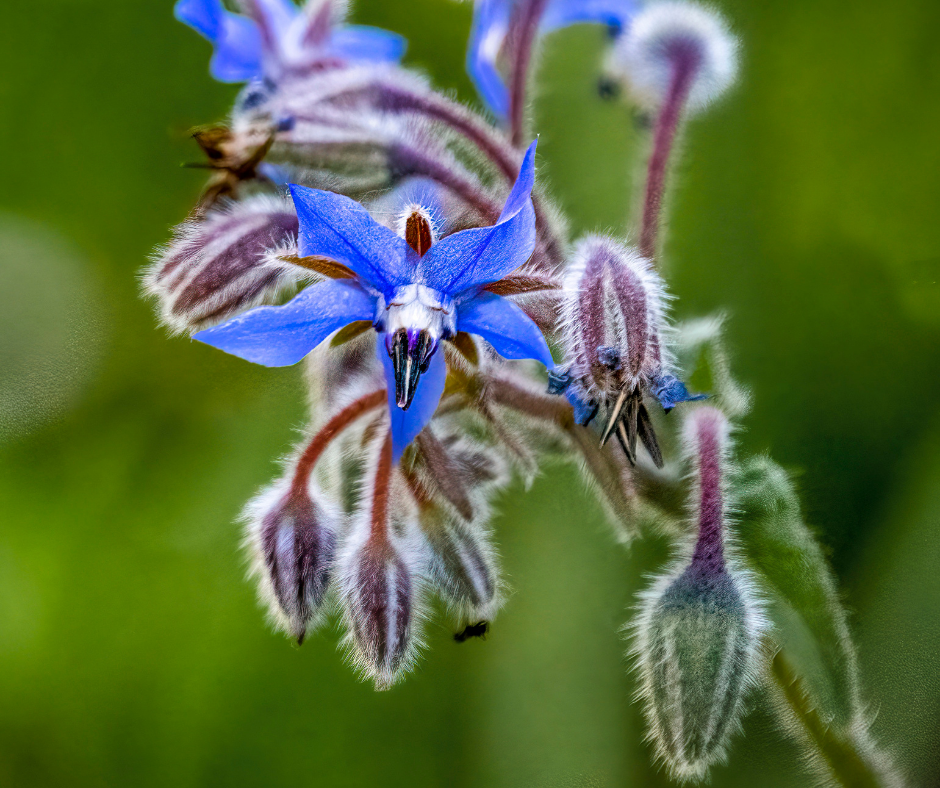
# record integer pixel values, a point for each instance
(131, 648)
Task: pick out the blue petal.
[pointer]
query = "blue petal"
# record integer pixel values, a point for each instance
(237, 55)
(337, 227)
(471, 258)
(406, 424)
(670, 391)
(237, 43)
(490, 24)
(505, 326)
(585, 409)
(614, 13)
(359, 42)
(278, 336)
(204, 16)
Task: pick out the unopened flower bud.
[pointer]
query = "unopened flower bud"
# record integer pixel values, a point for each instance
(292, 533)
(676, 46)
(218, 266)
(699, 627)
(613, 312)
(463, 566)
(613, 334)
(379, 575)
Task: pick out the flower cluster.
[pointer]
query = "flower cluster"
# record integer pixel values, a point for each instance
(399, 244)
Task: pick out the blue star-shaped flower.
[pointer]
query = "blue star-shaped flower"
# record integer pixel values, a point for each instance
(280, 38)
(416, 292)
(491, 23)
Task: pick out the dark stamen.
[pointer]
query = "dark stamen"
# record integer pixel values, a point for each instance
(418, 233)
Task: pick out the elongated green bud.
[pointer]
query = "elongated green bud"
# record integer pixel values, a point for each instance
(699, 627)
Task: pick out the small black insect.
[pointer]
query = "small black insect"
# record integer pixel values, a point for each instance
(473, 631)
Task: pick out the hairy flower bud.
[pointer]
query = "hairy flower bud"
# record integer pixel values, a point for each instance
(218, 266)
(613, 316)
(379, 575)
(673, 45)
(292, 533)
(699, 627)
(463, 566)
(613, 331)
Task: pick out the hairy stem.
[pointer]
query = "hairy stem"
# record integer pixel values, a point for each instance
(328, 432)
(684, 69)
(525, 29)
(837, 752)
(380, 490)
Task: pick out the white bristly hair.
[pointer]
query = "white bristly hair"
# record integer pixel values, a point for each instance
(645, 55)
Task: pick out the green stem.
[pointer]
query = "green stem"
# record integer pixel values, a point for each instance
(836, 751)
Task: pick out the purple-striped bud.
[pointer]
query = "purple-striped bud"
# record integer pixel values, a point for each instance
(672, 46)
(699, 628)
(613, 327)
(292, 533)
(613, 317)
(223, 264)
(379, 575)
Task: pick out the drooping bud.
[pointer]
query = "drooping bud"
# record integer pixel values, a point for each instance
(613, 314)
(613, 327)
(380, 586)
(463, 568)
(451, 481)
(676, 57)
(218, 266)
(698, 631)
(676, 46)
(292, 533)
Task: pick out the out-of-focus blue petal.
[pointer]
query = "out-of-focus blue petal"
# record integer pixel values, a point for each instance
(237, 44)
(505, 326)
(470, 258)
(406, 424)
(204, 16)
(237, 55)
(561, 13)
(360, 42)
(337, 227)
(490, 24)
(278, 336)
(670, 391)
(274, 173)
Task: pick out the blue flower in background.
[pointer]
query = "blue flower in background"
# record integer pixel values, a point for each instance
(279, 37)
(416, 292)
(491, 24)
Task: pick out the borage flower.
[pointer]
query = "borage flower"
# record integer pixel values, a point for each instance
(504, 31)
(276, 37)
(416, 291)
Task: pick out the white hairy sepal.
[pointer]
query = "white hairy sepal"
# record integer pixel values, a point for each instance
(594, 263)
(223, 264)
(301, 612)
(697, 650)
(645, 56)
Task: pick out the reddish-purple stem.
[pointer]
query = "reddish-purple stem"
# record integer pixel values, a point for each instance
(526, 29)
(327, 432)
(685, 65)
(709, 549)
(380, 490)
